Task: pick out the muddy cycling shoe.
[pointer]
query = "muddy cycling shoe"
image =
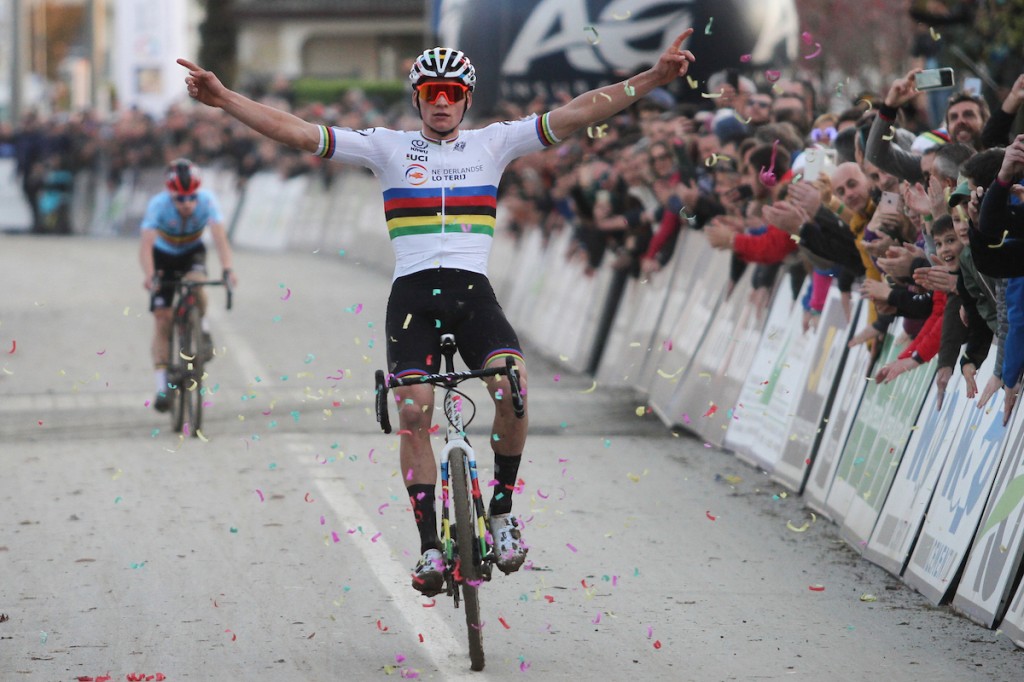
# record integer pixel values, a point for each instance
(428, 576)
(508, 543)
(162, 402)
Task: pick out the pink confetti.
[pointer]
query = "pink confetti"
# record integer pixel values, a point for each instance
(260, 493)
(598, 619)
(335, 536)
(376, 535)
(504, 624)
(772, 76)
(323, 520)
(650, 631)
(369, 456)
(524, 666)
(807, 37)
(711, 517)
(571, 548)
(557, 377)
(541, 495)
(233, 635)
(14, 347)
(359, 308)
(667, 344)
(287, 295)
(309, 497)
(657, 644)
(817, 51)
(380, 509)
(466, 227)
(101, 352)
(399, 658)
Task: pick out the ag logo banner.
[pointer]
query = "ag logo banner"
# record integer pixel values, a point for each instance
(543, 48)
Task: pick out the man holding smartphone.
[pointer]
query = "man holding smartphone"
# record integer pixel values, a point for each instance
(965, 118)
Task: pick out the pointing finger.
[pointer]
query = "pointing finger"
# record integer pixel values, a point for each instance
(679, 41)
(188, 65)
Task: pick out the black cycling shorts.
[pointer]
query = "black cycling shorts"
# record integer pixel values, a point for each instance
(426, 304)
(171, 267)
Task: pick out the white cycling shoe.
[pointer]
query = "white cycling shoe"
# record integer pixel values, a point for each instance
(508, 542)
(428, 576)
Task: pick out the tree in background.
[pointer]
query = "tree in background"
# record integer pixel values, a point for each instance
(218, 36)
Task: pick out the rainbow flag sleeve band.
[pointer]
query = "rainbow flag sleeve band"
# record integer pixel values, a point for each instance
(547, 137)
(327, 142)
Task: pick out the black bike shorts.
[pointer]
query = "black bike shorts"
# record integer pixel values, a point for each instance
(171, 267)
(426, 304)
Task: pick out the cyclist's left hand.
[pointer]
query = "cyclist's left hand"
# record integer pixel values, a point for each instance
(674, 62)
(230, 277)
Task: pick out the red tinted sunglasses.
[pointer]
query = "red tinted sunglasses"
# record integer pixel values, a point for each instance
(431, 91)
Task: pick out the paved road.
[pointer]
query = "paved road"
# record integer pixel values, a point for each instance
(277, 547)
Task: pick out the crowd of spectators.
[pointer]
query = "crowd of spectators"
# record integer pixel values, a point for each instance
(919, 217)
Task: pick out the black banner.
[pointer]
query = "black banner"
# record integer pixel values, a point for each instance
(528, 48)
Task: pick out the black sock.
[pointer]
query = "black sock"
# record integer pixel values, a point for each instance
(506, 469)
(421, 497)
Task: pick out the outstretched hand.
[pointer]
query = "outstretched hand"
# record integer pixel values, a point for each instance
(203, 85)
(674, 62)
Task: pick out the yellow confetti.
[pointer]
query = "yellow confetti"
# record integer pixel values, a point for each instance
(126, 310)
(597, 132)
(596, 38)
(1001, 241)
(711, 95)
(187, 358)
(625, 16)
(117, 475)
(866, 101)
(744, 121)
(408, 319)
(640, 411)
(692, 82)
(630, 90)
(868, 597)
(665, 375)
(606, 96)
(592, 388)
(890, 134)
(633, 477)
(935, 34)
(798, 529)
(201, 437)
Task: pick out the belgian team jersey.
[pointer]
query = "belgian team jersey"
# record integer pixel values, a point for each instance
(440, 198)
(175, 235)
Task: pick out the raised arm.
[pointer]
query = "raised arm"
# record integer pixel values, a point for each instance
(278, 125)
(599, 104)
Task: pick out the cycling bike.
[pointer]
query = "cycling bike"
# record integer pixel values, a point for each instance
(468, 549)
(186, 358)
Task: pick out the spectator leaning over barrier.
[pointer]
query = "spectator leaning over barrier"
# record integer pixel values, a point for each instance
(965, 117)
(979, 293)
(1001, 223)
(439, 187)
(172, 248)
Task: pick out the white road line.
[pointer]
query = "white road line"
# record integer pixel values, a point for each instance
(394, 578)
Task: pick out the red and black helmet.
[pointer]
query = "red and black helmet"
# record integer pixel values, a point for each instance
(183, 177)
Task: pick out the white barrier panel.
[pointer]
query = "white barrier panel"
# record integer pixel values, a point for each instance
(992, 565)
(688, 247)
(14, 210)
(883, 430)
(911, 491)
(813, 393)
(954, 513)
(852, 456)
(758, 430)
(520, 292)
(710, 387)
(851, 387)
(269, 200)
(695, 293)
(631, 339)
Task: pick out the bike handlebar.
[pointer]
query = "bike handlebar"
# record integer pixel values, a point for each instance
(449, 380)
(194, 284)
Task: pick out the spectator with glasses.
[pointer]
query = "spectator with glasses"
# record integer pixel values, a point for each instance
(172, 248)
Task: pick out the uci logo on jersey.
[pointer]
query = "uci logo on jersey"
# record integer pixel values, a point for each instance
(416, 174)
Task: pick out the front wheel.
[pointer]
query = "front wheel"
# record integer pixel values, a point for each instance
(193, 388)
(465, 542)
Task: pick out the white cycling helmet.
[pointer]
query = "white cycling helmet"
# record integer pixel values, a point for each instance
(442, 62)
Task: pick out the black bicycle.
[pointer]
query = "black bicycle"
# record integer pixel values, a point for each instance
(468, 553)
(187, 354)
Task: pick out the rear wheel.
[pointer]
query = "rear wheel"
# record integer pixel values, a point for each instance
(466, 541)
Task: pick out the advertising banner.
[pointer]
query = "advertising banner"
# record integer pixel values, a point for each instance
(817, 387)
(995, 556)
(852, 382)
(911, 491)
(963, 489)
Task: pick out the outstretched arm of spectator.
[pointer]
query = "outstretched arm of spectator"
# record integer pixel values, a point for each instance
(599, 104)
(997, 130)
(278, 125)
(880, 150)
